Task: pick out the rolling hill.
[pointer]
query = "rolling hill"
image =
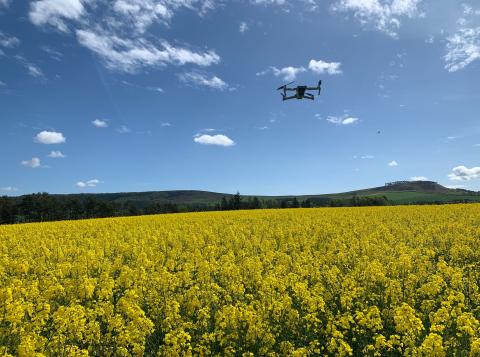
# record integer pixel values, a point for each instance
(51, 207)
(402, 192)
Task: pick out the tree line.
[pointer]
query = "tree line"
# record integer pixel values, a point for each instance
(41, 207)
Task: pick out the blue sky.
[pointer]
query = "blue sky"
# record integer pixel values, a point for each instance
(137, 95)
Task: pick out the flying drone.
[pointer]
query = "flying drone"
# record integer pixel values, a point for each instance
(300, 91)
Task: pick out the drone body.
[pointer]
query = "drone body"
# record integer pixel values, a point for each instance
(300, 91)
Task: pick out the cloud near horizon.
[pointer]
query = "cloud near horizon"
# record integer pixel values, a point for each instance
(419, 178)
(9, 189)
(463, 173)
(89, 183)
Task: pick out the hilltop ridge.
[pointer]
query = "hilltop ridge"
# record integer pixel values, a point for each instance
(398, 192)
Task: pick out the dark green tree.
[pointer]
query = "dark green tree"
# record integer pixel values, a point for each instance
(295, 203)
(132, 209)
(224, 206)
(8, 211)
(237, 201)
(256, 204)
(307, 203)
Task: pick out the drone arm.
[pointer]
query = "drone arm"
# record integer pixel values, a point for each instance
(319, 87)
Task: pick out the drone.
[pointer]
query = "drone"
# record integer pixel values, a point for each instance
(300, 91)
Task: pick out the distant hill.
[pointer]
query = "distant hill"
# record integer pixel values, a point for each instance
(411, 192)
(53, 207)
(401, 192)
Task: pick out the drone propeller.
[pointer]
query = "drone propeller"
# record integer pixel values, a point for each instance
(285, 85)
(319, 86)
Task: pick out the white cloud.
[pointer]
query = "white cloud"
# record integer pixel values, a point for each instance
(268, 2)
(392, 163)
(34, 162)
(56, 155)
(219, 139)
(151, 88)
(143, 13)
(384, 14)
(123, 129)
(8, 41)
(343, 120)
(419, 178)
(321, 67)
(201, 79)
(9, 189)
(54, 54)
(4, 3)
(54, 12)
(462, 173)
(165, 124)
(290, 73)
(50, 137)
(136, 16)
(454, 187)
(32, 69)
(99, 123)
(349, 120)
(364, 157)
(243, 27)
(181, 56)
(129, 55)
(89, 183)
(463, 48)
(287, 73)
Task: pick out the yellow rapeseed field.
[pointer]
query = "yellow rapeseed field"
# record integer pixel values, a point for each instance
(295, 282)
